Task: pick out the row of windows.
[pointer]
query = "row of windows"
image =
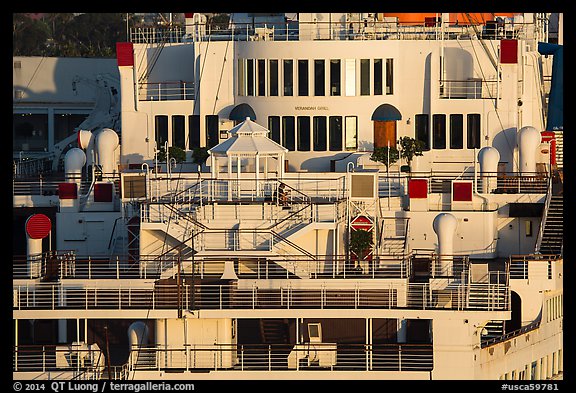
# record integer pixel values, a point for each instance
(323, 133)
(261, 77)
(316, 133)
(555, 307)
(456, 131)
(179, 134)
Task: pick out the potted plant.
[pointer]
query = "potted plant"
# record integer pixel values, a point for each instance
(360, 244)
(409, 148)
(386, 155)
(200, 155)
(174, 152)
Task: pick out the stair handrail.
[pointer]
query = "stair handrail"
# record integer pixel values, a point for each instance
(294, 245)
(544, 216)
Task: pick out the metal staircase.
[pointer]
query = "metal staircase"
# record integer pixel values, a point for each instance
(553, 234)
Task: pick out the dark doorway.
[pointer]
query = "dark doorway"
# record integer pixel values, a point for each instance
(515, 322)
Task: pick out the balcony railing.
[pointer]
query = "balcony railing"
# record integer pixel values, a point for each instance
(166, 91)
(390, 29)
(235, 357)
(485, 296)
(69, 266)
(468, 89)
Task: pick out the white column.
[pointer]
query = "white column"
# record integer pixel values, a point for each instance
(281, 164)
(266, 167)
(239, 175)
(78, 330)
(229, 177)
(213, 170)
(238, 168)
(257, 174)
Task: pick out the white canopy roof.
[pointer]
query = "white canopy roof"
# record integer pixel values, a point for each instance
(248, 138)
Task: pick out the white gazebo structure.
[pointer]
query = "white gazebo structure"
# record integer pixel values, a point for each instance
(248, 150)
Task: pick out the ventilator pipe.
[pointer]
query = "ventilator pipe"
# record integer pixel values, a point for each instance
(106, 143)
(229, 273)
(37, 226)
(137, 337)
(445, 227)
(528, 142)
(74, 161)
(489, 158)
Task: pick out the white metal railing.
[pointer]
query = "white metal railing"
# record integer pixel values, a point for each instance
(31, 166)
(485, 296)
(468, 89)
(544, 216)
(355, 29)
(166, 91)
(82, 361)
(239, 357)
(523, 267)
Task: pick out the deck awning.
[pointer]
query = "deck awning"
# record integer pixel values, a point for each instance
(386, 112)
(241, 111)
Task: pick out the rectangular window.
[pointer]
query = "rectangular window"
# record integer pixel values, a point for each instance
(350, 77)
(65, 123)
(288, 133)
(178, 132)
(439, 131)
(29, 132)
(241, 77)
(320, 133)
(261, 77)
(528, 226)
(302, 77)
(212, 126)
(422, 131)
(351, 132)
(335, 133)
(335, 77)
(303, 133)
(389, 76)
(288, 77)
(378, 76)
(319, 78)
(273, 64)
(161, 131)
(274, 127)
(364, 77)
(193, 131)
(456, 131)
(473, 134)
(250, 77)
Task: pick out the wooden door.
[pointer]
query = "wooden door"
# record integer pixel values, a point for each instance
(384, 132)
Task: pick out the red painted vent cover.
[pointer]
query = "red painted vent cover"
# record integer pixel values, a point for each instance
(418, 188)
(38, 226)
(125, 53)
(462, 191)
(103, 192)
(67, 191)
(508, 51)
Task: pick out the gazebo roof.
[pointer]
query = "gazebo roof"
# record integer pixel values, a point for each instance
(249, 138)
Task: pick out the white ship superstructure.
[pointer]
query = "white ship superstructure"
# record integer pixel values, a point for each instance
(241, 259)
